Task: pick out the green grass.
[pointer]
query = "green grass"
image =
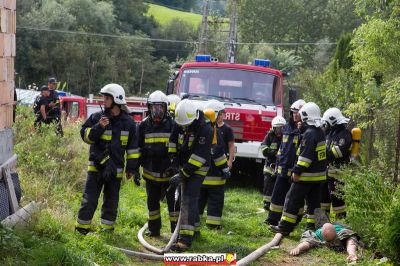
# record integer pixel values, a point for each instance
(53, 170)
(163, 15)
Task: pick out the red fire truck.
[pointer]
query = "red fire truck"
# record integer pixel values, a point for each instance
(252, 94)
(76, 107)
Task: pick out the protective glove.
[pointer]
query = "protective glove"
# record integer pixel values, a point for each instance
(226, 174)
(170, 171)
(110, 171)
(136, 178)
(175, 181)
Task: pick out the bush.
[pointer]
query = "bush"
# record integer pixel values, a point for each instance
(373, 209)
(391, 236)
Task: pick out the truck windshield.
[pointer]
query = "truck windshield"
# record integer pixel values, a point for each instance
(237, 85)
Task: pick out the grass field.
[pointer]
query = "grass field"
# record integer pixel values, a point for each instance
(163, 15)
(52, 170)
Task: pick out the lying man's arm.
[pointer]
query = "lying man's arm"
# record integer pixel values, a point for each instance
(351, 247)
(302, 247)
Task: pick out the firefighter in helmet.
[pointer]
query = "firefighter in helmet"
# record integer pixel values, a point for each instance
(338, 151)
(213, 188)
(269, 148)
(285, 161)
(173, 101)
(111, 134)
(190, 150)
(308, 173)
(153, 137)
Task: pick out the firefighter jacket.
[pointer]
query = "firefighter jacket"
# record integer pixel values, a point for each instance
(190, 150)
(153, 144)
(338, 145)
(39, 101)
(286, 156)
(311, 162)
(112, 142)
(270, 146)
(218, 163)
(54, 98)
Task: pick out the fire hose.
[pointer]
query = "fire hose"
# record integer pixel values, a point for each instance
(159, 252)
(260, 251)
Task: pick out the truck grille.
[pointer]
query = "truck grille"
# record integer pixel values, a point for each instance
(237, 127)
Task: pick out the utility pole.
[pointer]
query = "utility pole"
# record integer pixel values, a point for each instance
(232, 34)
(203, 37)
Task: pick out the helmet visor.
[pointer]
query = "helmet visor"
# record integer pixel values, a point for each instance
(278, 130)
(157, 112)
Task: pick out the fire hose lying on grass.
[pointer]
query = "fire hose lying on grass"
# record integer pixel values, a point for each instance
(159, 252)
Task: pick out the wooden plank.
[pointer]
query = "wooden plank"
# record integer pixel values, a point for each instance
(23, 216)
(11, 163)
(11, 190)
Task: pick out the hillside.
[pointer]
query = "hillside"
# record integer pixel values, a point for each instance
(163, 15)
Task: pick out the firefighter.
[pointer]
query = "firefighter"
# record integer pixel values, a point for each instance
(269, 148)
(173, 101)
(153, 137)
(338, 151)
(228, 138)
(41, 107)
(54, 104)
(111, 134)
(213, 188)
(286, 158)
(308, 173)
(190, 149)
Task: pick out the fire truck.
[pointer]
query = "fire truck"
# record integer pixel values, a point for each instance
(79, 108)
(252, 95)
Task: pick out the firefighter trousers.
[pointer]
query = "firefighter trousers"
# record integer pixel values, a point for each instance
(298, 193)
(331, 194)
(213, 197)
(189, 209)
(155, 191)
(269, 183)
(282, 186)
(94, 185)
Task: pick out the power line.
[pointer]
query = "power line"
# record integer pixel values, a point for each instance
(168, 40)
(103, 35)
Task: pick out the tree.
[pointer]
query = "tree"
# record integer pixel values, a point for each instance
(85, 48)
(305, 21)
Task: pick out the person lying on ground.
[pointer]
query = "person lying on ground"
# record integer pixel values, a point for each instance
(335, 236)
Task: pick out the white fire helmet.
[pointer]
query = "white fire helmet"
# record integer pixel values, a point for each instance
(216, 105)
(186, 112)
(173, 100)
(311, 114)
(116, 91)
(333, 116)
(157, 97)
(278, 121)
(296, 106)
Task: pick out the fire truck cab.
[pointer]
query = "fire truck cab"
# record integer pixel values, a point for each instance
(252, 94)
(79, 108)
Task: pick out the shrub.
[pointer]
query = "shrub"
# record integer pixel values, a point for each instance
(373, 209)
